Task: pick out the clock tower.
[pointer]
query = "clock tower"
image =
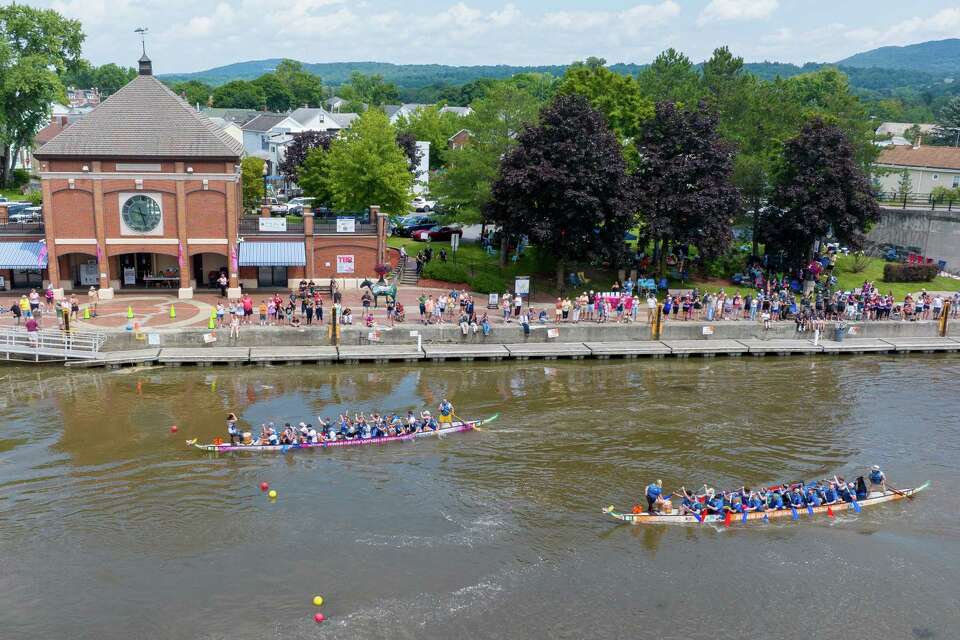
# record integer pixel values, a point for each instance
(143, 191)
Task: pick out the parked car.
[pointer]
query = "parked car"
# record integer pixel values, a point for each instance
(438, 232)
(295, 206)
(27, 214)
(409, 225)
(277, 208)
(422, 204)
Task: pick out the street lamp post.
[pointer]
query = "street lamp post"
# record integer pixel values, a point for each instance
(264, 182)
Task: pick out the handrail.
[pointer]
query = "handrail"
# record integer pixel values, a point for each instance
(912, 199)
(50, 343)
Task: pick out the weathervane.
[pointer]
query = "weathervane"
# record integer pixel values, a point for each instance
(143, 34)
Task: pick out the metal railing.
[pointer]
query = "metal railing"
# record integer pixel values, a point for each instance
(917, 201)
(16, 343)
(359, 229)
(252, 226)
(22, 228)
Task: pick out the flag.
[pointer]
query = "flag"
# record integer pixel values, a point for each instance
(727, 519)
(42, 254)
(233, 258)
(830, 511)
(180, 254)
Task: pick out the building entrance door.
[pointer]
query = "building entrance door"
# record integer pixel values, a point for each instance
(272, 277)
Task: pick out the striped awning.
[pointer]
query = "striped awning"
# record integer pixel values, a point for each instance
(272, 254)
(23, 255)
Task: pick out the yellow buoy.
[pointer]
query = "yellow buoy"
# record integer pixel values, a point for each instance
(173, 312)
(86, 313)
(273, 494)
(317, 600)
(129, 311)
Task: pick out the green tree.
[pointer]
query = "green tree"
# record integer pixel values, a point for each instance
(193, 91)
(542, 86)
(671, 78)
(239, 94)
(948, 123)
(614, 95)
(428, 124)
(305, 88)
(313, 177)
(110, 78)
(365, 166)
(363, 90)
(80, 74)
(464, 186)
(37, 46)
(904, 184)
(251, 180)
(276, 96)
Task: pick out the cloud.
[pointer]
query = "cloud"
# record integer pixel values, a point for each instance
(633, 20)
(732, 10)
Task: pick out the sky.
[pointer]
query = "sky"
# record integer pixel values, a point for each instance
(193, 35)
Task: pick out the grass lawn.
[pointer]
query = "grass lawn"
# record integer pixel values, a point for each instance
(13, 194)
(848, 280)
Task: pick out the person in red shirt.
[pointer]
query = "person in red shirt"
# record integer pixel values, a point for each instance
(33, 330)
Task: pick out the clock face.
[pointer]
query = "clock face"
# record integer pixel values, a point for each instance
(141, 214)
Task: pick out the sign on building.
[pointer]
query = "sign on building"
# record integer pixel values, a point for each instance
(273, 224)
(345, 264)
(522, 286)
(129, 276)
(346, 225)
(89, 273)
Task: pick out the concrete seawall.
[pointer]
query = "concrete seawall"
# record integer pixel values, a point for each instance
(511, 334)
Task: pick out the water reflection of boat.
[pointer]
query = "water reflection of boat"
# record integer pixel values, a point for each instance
(674, 517)
(456, 427)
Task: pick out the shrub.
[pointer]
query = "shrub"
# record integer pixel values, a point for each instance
(447, 271)
(725, 265)
(488, 283)
(35, 198)
(899, 272)
(19, 177)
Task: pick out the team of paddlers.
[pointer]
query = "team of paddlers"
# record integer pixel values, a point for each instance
(361, 426)
(786, 496)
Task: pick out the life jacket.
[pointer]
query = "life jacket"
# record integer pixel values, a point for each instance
(653, 491)
(876, 477)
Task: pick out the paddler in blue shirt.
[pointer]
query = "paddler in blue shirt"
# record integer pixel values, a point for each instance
(755, 503)
(878, 481)
(776, 500)
(830, 493)
(796, 497)
(812, 498)
(653, 492)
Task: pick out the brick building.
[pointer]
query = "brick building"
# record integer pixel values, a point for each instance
(145, 192)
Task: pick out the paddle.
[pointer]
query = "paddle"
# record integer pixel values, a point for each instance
(476, 427)
(900, 493)
(793, 510)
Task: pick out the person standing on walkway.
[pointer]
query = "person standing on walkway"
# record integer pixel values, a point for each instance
(33, 331)
(309, 310)
(517, 305)
(15, 309)
(247, 303)
(93, 297)
(222, 283)
(234, 325)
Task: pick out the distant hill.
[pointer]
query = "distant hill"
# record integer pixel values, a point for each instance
(939, 57)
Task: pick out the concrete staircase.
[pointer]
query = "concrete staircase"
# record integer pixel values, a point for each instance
(407, 273)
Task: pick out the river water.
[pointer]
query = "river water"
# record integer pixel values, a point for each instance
(111, 528)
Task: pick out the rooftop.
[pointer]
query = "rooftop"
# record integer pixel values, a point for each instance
(144, 119)
(264, 122)
(931, 157)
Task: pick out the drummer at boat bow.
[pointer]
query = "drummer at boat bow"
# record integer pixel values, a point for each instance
(878, 481)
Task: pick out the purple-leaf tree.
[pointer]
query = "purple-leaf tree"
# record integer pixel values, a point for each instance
(820, 190)
(564, 184)
(296, 151)
(683, 183)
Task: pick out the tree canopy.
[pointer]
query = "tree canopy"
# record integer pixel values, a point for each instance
(683, 183)
(821, 190)
(565, 185)
(616, 96)
(365, 166)
(497, 118)
(37, 46)
(429, 124)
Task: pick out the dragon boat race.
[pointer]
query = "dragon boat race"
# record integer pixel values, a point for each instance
(111, 527)
(479, 320)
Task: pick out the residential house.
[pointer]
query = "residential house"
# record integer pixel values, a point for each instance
(458, 140)
(239, 116)
(928, 167)
(460, 111)
(231, 128)
(336, 104)
(397, 111)
(78, 98)
(263, 134)
(895, 133)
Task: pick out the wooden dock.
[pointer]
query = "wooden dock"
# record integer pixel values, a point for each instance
(354, 354)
